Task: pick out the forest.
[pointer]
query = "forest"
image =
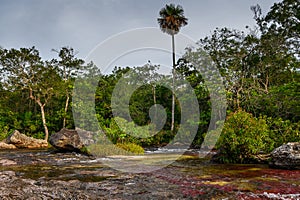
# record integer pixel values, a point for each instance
(259, 67)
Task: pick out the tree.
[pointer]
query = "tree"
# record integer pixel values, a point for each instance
(147, 75)
(171, 20)
(282, 20)
(258, 64)
(188, 68)
(25, 71)
(69, 67)
(230, 50)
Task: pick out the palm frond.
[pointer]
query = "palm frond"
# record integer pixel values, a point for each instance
(172, 19)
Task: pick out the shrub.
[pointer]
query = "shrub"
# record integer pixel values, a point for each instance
(131, 147)
(111, 149)
(242, 137)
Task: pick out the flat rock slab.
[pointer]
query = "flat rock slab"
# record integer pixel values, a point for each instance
(20, 140)
(4, 145)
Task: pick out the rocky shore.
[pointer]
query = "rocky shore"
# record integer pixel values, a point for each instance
(29, 173)
(18, 140)
(36, 174)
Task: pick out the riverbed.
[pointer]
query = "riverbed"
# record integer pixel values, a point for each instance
(46, 174)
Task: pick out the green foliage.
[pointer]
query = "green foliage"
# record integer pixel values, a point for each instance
(114, 133)
(131, 147)
(281, 102)
(38, 135)
(243, 136)
(193, 75)
(85, 150)
(4, 131)
(172, 19)
(129, 132)
(283, 131)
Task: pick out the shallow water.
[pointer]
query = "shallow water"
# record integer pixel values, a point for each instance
(49, 175)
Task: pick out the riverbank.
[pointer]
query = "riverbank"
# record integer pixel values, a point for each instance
(36, 174)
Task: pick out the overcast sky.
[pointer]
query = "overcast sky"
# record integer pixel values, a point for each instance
(82, 24)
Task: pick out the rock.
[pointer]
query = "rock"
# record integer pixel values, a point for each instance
(71, 140)
(22, 141)
(286, 156)
(87, 137)
(4, 145)
(5, 162)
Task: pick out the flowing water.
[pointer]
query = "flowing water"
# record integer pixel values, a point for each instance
(44, 174)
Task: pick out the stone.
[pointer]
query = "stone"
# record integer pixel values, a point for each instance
(87, 137)
(5, 162)
(4, 145)
(71, 140)
(286, 156)
(22, 141)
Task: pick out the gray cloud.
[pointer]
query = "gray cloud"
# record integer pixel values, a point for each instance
(83, 24)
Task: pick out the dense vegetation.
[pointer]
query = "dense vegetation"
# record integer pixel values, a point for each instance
(260, 70)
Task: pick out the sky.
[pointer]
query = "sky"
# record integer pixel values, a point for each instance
(84, 24)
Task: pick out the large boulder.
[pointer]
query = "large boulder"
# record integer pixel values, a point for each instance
(22, 141)
(286, 156)
(71, 140)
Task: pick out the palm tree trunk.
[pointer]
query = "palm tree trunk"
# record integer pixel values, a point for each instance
(154, 101)
(173, 84)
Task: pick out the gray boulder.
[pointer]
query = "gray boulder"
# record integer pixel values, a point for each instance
(286, 156)
(71, 140)
(66, 140)
(20, 140)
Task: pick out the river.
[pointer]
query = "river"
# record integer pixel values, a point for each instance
(45, 174)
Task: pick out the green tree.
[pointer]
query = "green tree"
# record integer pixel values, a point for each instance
(69, 68)
(25, 71)
(230, 50)
(276, 61)
(250, 63)
(170, 21)
(147, 77)
(194, 77)
(283, 19)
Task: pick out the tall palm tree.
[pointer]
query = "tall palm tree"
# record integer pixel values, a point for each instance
(170, 21)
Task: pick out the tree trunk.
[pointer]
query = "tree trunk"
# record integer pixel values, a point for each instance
(173, 84)
(44, 122)
(154, 101)
(66, 109)
(37, 100)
